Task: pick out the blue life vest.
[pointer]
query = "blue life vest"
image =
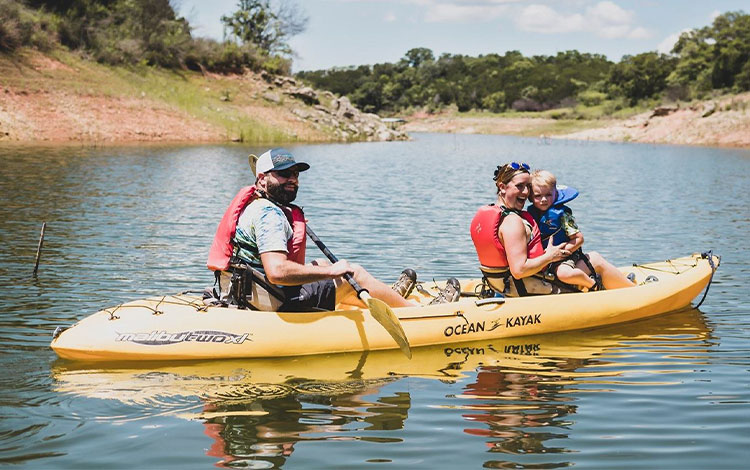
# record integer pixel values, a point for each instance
(550, 221)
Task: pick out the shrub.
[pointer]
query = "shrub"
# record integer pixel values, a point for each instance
(495, 102)
(21, 26)
(591, 97)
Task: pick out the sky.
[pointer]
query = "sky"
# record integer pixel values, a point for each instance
(344, 33)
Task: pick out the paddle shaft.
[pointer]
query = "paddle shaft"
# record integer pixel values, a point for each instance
(379, 310)
(361, 292)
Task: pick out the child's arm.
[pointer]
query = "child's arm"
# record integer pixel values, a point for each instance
(575, 236)
(575, 242)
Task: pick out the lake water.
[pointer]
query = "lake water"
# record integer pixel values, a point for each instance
(671, 392)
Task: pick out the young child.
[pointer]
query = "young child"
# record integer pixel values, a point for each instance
(556, 223)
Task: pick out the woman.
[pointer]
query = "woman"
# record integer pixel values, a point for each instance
(509, 244)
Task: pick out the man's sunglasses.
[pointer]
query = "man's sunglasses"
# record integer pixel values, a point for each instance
(287, 173)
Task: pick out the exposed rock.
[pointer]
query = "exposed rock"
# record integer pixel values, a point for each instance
(306, 94)
(272, 97)
(345, 108)
(283, 81)
(664, 111)
(709, 109)
(304, 114)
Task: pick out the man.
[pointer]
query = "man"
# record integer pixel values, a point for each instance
(263, 231)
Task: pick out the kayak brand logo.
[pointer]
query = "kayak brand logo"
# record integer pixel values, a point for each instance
(514, 321)
(162, 338)
(464, 328)
(523, 320)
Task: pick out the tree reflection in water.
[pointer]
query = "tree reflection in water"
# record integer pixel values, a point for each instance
(262, 433)
(514, 406)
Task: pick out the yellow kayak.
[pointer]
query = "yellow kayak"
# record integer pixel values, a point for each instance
(245, 380)
(180, 327)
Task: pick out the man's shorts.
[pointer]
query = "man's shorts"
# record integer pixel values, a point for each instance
(319, 295)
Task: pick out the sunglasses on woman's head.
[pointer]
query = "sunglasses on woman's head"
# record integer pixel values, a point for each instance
(519, 166)
(515, 166)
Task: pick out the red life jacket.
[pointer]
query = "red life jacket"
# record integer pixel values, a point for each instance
(222, 247)
(484, 228)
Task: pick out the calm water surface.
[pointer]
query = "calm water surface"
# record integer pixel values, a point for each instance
(122, 223)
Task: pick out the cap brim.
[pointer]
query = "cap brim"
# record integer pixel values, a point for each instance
(301, 166)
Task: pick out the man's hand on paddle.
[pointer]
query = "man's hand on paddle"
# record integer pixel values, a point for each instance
(340, 268)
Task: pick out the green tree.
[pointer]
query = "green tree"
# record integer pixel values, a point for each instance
(265, 26)
(418, 56)
(640, 76)
(715, 56)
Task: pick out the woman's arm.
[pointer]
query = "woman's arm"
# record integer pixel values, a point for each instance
(512, 233)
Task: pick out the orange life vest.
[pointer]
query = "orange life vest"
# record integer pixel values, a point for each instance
(490, 250)
(222, 248)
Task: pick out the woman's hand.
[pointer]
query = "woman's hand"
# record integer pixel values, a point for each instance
(556, 252)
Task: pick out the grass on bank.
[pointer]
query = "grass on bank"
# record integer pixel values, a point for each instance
(218, 101)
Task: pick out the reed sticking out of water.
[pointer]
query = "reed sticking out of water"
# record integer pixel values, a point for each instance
(39, 248)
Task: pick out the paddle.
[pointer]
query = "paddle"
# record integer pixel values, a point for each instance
(379, 310)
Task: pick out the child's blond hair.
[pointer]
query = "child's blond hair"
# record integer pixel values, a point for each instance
(544, 177)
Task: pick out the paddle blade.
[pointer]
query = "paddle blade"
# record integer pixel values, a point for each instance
(381, 312)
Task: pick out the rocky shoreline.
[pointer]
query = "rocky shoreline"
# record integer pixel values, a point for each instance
(57, 100)
(723, 121)
(46, 100)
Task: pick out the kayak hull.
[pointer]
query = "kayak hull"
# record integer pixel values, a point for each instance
(180, 327)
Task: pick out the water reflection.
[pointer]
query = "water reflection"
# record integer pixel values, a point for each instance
(263, 433)
(125, 223)
(518, 397)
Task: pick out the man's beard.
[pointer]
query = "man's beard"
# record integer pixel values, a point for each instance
(280, 194)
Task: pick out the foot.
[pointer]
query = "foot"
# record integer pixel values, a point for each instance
(405, 283)
(450, 293)
(597, 283)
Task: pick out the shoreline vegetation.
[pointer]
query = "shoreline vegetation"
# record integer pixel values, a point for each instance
(57, 97)
(126, 71)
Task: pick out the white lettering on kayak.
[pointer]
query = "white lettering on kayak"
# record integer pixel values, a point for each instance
(523, 320)
(464, 328)
(161, 338)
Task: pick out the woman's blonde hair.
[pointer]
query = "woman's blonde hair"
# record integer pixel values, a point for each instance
(544, 177)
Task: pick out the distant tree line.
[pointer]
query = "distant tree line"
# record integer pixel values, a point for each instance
(715, 57)
(150, 32)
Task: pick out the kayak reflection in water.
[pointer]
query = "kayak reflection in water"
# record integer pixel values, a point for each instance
(509, 243)
(259, 249)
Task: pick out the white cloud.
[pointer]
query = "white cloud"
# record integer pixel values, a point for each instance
(462, 11)
(605, 19)
(609, 13)
(543, 19)
(639, 33)
(390, 17)
(714, 14)
(665, 47)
